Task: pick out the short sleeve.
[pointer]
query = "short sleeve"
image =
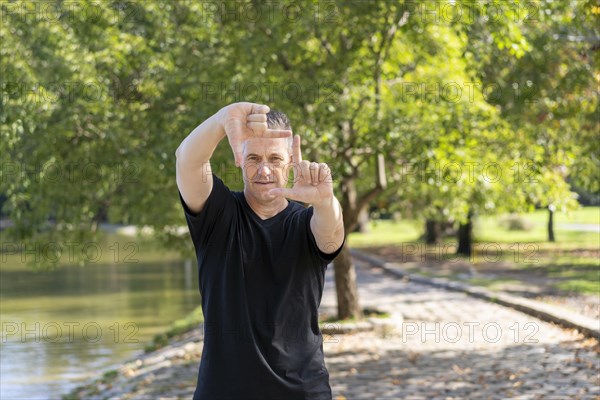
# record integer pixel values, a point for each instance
(217, 206)
(326, 258)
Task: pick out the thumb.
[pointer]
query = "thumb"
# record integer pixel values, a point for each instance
(284, 192)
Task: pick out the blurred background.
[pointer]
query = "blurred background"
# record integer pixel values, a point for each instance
(462, 136)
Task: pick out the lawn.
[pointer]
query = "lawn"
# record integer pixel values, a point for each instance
(488, 230)
(386, 232)
(571, 264)
(585, 215)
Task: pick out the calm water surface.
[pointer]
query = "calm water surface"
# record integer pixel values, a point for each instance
(61, 327)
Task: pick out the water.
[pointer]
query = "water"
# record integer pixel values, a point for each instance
(62, 327)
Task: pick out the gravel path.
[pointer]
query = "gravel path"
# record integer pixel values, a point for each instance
(453, 347)
(456, 347)
(533, 282)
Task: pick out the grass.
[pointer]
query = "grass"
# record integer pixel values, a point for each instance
(179, 327)
(386, 232)
(571, 259)
(585, 215)
(585, 281)
(585, 286)
(487, 229)
(109, 375)
(492, 284)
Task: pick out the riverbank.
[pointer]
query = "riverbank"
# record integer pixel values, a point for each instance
(167, 372)
(447, 351)
(168, 368)
(177, 350)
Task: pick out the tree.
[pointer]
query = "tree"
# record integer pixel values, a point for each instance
(96, 98)
(382, 91)
(366, 124)
(549, 96)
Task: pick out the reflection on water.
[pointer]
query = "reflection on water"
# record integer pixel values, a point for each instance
(61, 327)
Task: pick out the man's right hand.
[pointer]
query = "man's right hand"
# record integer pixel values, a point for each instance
(242, 121)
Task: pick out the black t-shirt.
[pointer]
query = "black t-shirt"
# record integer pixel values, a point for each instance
(261, 283)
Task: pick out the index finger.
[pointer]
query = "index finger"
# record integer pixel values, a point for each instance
(296, 151)
(277, 133)
(259, 109)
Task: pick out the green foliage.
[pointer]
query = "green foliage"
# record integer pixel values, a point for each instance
(549, 95)
(94, 105)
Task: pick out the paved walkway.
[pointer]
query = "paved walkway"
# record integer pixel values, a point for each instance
(456, 347)
(453, 347)
(579, 227)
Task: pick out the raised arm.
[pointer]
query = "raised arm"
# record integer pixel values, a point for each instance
(313, 184)
(327, 225)
(237, 121)
(194, 177)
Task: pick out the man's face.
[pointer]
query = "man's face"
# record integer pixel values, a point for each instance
(265, 165)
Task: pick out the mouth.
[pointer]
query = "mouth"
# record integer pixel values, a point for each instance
(264, 183)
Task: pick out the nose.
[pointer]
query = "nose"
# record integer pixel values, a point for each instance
(264, 170)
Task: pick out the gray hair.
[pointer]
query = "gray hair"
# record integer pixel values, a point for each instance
(278, 120)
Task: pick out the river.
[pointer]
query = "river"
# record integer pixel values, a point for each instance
(62, 327)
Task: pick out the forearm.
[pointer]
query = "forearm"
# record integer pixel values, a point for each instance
(328, 222)
(197, 148)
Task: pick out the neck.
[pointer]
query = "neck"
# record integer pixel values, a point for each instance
(267, 209)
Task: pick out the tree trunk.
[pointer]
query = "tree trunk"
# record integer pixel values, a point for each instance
(465, 237)
(432, 231)
(551, 224)
(345, 285)
(345, 274)
(363, 221)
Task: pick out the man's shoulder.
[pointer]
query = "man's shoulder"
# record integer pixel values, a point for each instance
(223, 186)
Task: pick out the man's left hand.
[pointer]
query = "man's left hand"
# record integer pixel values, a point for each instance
(313, 183)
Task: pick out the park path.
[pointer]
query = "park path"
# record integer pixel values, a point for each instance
(454, 347)
(580, 227)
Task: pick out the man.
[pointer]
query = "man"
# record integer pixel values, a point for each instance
(261, 257)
